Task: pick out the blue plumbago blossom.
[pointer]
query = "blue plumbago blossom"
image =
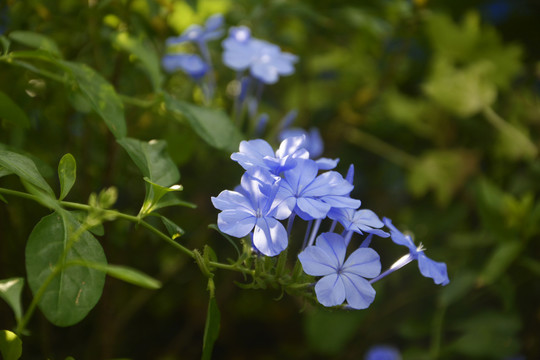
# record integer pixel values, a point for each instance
(341, 280)
(428, 268)
(191, 64)
(314, 195)
(382, 352)
(258, 153)
(313, 144)
(251, 209)
(265, 61)
(213, 29)
(359, 221)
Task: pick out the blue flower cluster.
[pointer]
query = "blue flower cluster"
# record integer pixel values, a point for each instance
(289, 183)
(255, 61)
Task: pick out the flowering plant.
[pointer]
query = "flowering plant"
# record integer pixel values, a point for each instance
(149, 102)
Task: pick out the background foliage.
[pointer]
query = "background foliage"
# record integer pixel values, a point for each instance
(435, 102)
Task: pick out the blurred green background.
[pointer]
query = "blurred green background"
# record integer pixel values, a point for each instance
(437, 105)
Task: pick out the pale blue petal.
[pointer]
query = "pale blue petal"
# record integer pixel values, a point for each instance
(316, 262)
(230, 200)
(433, 269)
(302, 175)
(313, 207)
(236, 223)
(326, 164)
(269, 236)
(265, 73)
(341, 201)
(364, 262)
(358, 291)
(398, 237)
(334, 245)
(330, 290)
(252, 152)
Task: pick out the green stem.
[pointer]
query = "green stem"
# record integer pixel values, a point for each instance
(437, 332)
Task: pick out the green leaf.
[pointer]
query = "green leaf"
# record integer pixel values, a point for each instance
(213, 126)
(11, 112)
(10, 291)
(444, 171)
(25, 168)
(67, 173)
(36, 40)
(123, 273)
(499, 261)
(155, 193)
(10, 345)
(174, 230)
(101, 96)
(74, 291)
(464, 91)
(211, 329)
(144, 53)
(152, 159)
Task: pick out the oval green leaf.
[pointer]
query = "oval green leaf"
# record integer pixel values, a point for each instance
(35, 40)
(67, 173)
(212, 125)
(25, 169)
(101, 96)
(152, 159)
(76, 289)
(10, 345)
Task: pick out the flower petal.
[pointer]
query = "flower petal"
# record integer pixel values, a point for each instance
(317, 262)
(316, 209)
(330, 290)
(398, 237)
(364, 262)
(269, 236)
(433, 269)
(231, 200)
(358, 291)
(334, 245)
(252, 152)
(236, 222)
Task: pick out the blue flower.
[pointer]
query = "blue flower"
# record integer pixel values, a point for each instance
(359, 221)
(428, 268)
(341, 280)
(382, 352)
(258, 153)
(313, 143)
(252, 209)
(199, 35)
(313, 196)
(265, 61)
(191, 64)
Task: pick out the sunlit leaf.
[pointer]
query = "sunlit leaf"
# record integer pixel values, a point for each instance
(10, 291)
(213, 126)
(10, 345)
(75, 290)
